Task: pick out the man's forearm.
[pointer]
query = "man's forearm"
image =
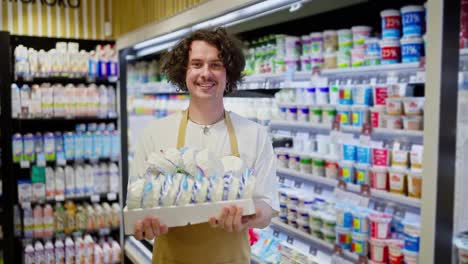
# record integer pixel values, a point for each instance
(266, 214)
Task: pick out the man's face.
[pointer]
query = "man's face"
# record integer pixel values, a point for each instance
(206, 74)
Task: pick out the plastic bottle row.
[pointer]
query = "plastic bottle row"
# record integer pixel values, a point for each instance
(381, 236)
(66, 60)
(47, 221)
(145, 72)
(77, 250)
(69, 182)
(158, 105)
(89, 141)
(45, 100)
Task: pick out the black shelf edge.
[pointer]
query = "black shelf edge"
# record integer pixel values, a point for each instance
(66, 80)
(103, 197)
(64, 119)
(106, 232)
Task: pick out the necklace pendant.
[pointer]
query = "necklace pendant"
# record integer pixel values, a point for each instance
(206, 130)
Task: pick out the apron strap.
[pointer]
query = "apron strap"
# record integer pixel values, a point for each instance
(230, 128)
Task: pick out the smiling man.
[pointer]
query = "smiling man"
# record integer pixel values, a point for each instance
(209, 64)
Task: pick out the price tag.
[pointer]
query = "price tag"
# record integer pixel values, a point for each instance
(40, 160)
(276, 233)
(60, 198)
(290, 240)
(111, 196)
(24, 164)
(297, 184)
(61, 161)
(95, 198)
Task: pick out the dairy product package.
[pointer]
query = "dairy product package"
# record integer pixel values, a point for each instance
(135, 193)
(114, 178)
(29, 254)
(69, 145)
(151, 192)
(184, 192)
(25, 97)
(104, 177)
(59, 181)
(170, 188)
(24, 191)
(49, 253)
(69, 251)
(28, 222)
(200, 188)
(103, 101)
(188, 158)
(80, 181)
(36, 101)
(98, 188)
(106, 144)
(89, 180)
(39, 252)
(216, 189)
(15, 101)
(50, 183)
(59, 251)
(209, 164)
(70, 185)
(157, 163)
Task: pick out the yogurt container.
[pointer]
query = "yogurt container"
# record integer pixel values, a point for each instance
(328, 114)
(358, 56)
(414, 184)
(379, 180)
(362, 95)
(302, 113)
(343, 237)
(412, 49)
(306, 63)
(380, 93)
(413, 123)
(318, 167)
(294, 161)
(303, 213)
(395, 250)
(315, 114)
(345, 39)
(329, 236)
(344, 114)
(331, 168)
(315, 219)
(394, 106)
(378, 250)
(397, 179)
(344, 59)
(360, 35)
(411, 232)
(347, 172)
(303, 225)
(291, 113)
(317, 61)
(376, 116)
(330, 41)
(379, 225)
(329, 222)
(282, 111)
(362, 174)
(373, 46)
(346, 95)
(283, 210)
(349, 151)
(359, 244)
(305, 165)
(390, 51)
(360, 115)
(305, 44)
(323, 95)
(364, 154)
(392, 122)
(282, 158)
(310, 95)
(380, 157)
(360, 222)
(316, 43)
(330, 60)
(292, 46)
(391, 23)
(292, 64)
(372, 60)
(412, 19)
(413, 106)
(411, 257)
(344, 217)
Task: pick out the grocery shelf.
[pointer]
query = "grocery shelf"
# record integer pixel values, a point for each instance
(384, 195)
(376, 132)
(105, 197)
(377, 69)
(66, 80)
(323, 245)
(152, 88)
(263, 77)
(136, 251)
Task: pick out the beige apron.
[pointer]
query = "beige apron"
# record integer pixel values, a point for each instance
(202, 244)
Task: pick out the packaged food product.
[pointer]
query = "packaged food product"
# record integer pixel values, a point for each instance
(379, 226)
(400, 159)
(379, 180)
(318, 167)
(395, 250)
(362, 174)
(412, 17)
(343, 237)
(392, 122)
(59, 219)
(344, 114)
(380, 93)
(344, 217)
(70, 217)
(291, 113)
(331, 60)
(397, 179)
(360, 115)
(380, 157)
(378, 250)
(344, 58)
(391, 51)
(345, 39)
(282, 158)
(349, 150)
(411, 49)
(358, 56)
(413, 123)
(347, 171)
(330, 40)
(328, 114)
(359, 244)
(59, 250)
(394, 106)
(303, 113)
(306, 164)
(377, 113)
(391, 23)
(411, 232)
(411, 257)
(329, 236)
(413, 106)
(331, 168)
(360, 35)
(294, 160)
(416, 157)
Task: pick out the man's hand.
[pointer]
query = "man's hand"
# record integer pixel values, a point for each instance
(149, 228)
(231, 219)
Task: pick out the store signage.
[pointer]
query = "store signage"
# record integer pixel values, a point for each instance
(60, 3)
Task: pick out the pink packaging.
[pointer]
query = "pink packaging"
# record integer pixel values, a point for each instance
(379, 179)
(380, 157)
(379, 225)
(377, 114)
(380, 95)
(378, 250)
(395, 250)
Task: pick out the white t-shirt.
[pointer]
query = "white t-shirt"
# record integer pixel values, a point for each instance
(255, 148)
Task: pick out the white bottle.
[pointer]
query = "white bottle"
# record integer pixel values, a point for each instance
(69, 250)
(49, 253)
(107, 253)
(15, 101)
(80, 180)
(39, 253)
(70, 186)
(89, 179)
(103, 101)
(98, 254)
(59, 181)
(111, 107)
(89, 249)
(29, 254)
(59, 252)
(116, 252)
(28, 222)
(50, 183)
(79, 250)
(98, 188)
(114, 179)
(104, 177)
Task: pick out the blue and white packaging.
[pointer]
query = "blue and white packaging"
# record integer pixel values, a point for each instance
(58, 141)
(106, 144)
(349, 150)
(115, 144)
(28, 145)
(79, 145)
(412, 48)
(97, 145)
(38, 143)
(413, 20)
(391, 23)
(70, 187)
(89, 179)
(88, 145)
(69, 145)
(364, 154)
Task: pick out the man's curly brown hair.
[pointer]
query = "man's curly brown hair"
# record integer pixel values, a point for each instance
(175, 62)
